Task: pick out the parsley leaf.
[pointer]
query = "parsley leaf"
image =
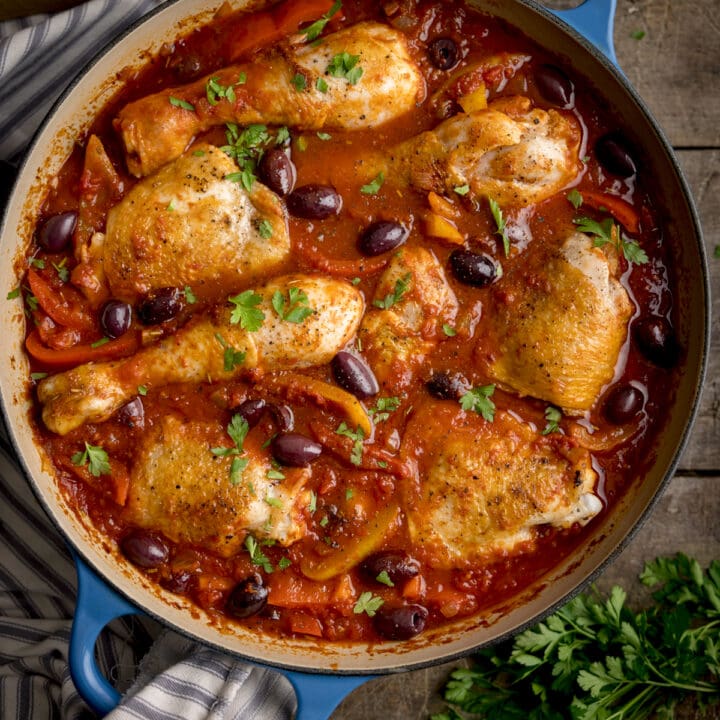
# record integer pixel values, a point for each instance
(265, 229)
(321, 85)
(215, 92)
(384, 578)
(373, 187)
(553, 417)
(402, 285)
(189, 295)
(357, 436)
(383, 408)
(575, 198)
(501, 225)
(607, 232)
(368, 603)
(237, 430)
(246, 148)
(478, 400)
(462, 189)
(596, 658)
(312, 32)
(299, 81)
(246, 311)
(345, 65)
(296, 303)
(95, 458)
(178, 102)
(257, 556)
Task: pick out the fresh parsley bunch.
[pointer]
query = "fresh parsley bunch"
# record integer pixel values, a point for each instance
(596, 659)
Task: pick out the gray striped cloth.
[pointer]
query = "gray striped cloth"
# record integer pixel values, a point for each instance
(163, 675)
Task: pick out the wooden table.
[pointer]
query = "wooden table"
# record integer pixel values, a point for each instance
(675, 68)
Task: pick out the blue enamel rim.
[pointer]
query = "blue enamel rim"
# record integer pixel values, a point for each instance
(320, 691)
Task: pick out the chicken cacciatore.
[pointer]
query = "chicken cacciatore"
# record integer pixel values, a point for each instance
(348, 320)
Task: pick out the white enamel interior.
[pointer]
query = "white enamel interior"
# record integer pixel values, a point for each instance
(49, 151)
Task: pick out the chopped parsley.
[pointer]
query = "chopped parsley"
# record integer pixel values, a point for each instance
(237, 430)
(294, 308)
(246, 148)
(142, 389)
(312, 32)
(373, 187)
(575, 198)
(38, 376)
(275, 474)
(402, 285)
(13, 293)
(462, 189)
(61, 269)
(716, 252)
(215, 92)
(383, 408)
(189, 295)
(384, 578)
(553, 417)
(608, 232)
(324, 136)
(246, 311)
(257, 556)
(95, 458)
(284, 563)
(273, 501)
(637, 34)
(38, 263)
(368, 603)
(231, 357)
(501, 224)
(99, 343)
(478, 400)
(184, 104)
(299, 81)
(312, 504)
(357, 436)
(449, 330)
(345, 65)
(265, 229)
(321, 85)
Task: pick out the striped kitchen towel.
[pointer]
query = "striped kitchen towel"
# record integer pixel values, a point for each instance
(163, 675)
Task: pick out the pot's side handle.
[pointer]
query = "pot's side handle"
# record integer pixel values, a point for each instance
(594, 20)
(97, 604)
(318, 695)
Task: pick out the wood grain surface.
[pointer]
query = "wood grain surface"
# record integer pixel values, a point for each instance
(675, 68)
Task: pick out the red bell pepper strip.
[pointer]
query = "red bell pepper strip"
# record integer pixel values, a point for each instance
(49, 358)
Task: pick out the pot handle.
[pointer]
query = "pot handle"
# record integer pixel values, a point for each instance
(98, 604)
(594, 20)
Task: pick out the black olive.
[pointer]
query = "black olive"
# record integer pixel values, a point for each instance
(278, 171)
(144, 548)
(354, 375)
(400, 623)
(314, 202)
(623, 403)
(160, 305)
(476, 269)
(247, 598)
(398, 565)
(295, 450)
(444, 53)
(380, 237)
(554, 85)
(614, 155)
(656, 339)
(446, 386)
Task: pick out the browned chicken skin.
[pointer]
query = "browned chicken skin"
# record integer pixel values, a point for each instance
(154, 131)
(94, 391)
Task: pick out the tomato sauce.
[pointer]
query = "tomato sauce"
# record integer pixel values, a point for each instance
(345, 496)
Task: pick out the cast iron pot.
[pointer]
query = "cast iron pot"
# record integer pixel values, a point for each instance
(322, 675)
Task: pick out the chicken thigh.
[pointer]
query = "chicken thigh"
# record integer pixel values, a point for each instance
(199, 350)
(511, 152)
(555, 331)
(383, 84)
(187, 225)
(397, 337)
(483, 487)
(181, 488)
